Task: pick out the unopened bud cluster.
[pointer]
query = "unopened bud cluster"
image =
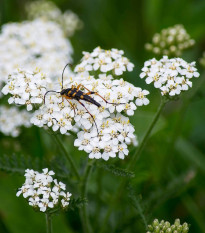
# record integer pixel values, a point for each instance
(171, 41)
(166, 227)
(43, 192)
(48, 11)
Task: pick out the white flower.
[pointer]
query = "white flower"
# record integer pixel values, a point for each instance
(42, 191)
(26, 88)
(122, 148)
(171, 76)
(105, 61)
(11, 119)
(32, 44)
(115, 134)
(99, 117)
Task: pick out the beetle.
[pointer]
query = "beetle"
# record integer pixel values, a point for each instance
(76, 94)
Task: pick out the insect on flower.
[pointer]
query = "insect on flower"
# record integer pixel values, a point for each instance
(76, 94)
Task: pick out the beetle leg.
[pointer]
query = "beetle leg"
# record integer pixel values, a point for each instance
(72, 106)
(90, 115)
(80, 85)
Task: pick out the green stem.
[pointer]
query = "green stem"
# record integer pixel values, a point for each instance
(132, 163)
(69, 158)
(48, 223)
(139, 149)
(84, 214)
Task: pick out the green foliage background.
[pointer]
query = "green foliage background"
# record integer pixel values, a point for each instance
(169, 176)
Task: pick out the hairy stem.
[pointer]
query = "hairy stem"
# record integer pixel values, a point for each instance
(48, 223)
(69, 158)
(84, 214)
(131, 164)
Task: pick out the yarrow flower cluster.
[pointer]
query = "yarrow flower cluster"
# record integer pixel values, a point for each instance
(112, 132)
(104, 130)
(43, 192)
(27, 88)
(103, 127)
(171, 76)
(166, 227)
(202, 60)
(33, 44)
(171, 41)
(47, 10)
(105, 61)
(11, 119)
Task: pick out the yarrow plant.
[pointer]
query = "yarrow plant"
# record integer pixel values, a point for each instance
(171, 76)
(11, 119)
(20, 47)
(104, 61)
(27, 88)
(101, 127)
(48, 11)
(43, 192)
(166, 227)
(102, 132)
(171, 41)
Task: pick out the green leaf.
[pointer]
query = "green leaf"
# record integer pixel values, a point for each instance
(18, 163)
(136, 201)
(77, 203)
(116, 170)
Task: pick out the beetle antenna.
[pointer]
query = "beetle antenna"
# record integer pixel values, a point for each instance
(48, 92)
(68, 64)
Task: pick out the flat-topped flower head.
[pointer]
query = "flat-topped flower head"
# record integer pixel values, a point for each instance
(171, 76)
(116, 133)
(105, 61)
(11, 119)
(43, 192)
(171, 41)
(103, 131)
(97, 102)
(33, 44)
(27, 88)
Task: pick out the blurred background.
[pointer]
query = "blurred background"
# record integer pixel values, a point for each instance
(169, 176)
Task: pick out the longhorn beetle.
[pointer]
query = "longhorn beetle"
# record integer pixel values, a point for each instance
(76, 94)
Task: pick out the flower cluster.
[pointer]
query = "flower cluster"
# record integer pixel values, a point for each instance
(164, 227)
(47, 10)
(27, 88)
(105, 131)
(33, 44)
(202, 60)
(101, 123)
(11, 119)
(171, 76)
(43, 192)
(105, 61)
(171, 41)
